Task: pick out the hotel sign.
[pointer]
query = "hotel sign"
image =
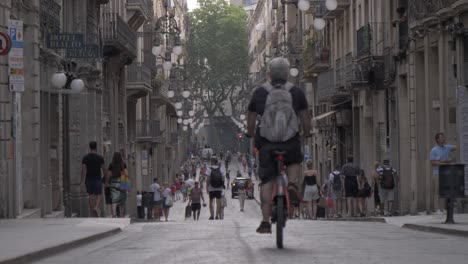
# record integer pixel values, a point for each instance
(65, 41)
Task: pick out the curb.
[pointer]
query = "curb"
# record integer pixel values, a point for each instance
(438, 230)
(48, 252)
(371, 220)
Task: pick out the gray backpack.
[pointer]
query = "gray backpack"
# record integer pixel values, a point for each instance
(279, 122)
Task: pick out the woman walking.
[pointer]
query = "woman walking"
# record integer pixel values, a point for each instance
(364, 192)
(167, 200)
(118, 197)
(310, 187)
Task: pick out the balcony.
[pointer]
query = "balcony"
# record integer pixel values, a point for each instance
(148, 131)
(139, 12)
(340, 74)
(420, 10)
(316, 58)
(342, 5)
(372, 40)
(367, 73)
(326, 85)
(138, 80)
(118, 37)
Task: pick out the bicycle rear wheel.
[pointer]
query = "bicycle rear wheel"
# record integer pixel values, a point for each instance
(279, 221)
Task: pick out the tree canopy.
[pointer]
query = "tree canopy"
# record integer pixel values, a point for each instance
(217, 61)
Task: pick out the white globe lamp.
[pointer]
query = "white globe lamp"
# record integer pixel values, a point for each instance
(179, 113)
(185, 122)
(303, 5)
(178, 105)
(331, 4)
(167, 65)
(177, 50)
(156, 50)
(191, 113)
(184, 128)
(186, 94)
(294, 72)
(242, 117)
(319, 23)
(170, 93)
(59, 80)
(179, 120)
(77, 86)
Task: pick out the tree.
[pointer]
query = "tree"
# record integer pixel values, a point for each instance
(217, 54)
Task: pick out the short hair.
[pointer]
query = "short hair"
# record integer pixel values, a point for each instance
(93, 145)
(309, 164)
(155, 179)
(337, 166)
(214, 161)
(438, 135)
(386, 162)
(350, 159)
(279, 69)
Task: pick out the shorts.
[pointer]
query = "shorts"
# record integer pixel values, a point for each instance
(196, 206)
(335, 195)
(157, 203)
(311, 193)
(108, 195)
(215, 194)
(94, 188)
(268, 169)
(164, 204)
(351, 186)
(387, 195)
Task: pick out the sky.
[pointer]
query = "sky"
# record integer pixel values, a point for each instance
(192, 4)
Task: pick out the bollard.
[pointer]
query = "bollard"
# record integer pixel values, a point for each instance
(451, 186)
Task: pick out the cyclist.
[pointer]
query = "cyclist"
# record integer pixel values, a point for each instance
(278, 76)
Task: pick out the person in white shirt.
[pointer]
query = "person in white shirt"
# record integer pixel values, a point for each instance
(215, 186)
(140, 209)
(157, 201)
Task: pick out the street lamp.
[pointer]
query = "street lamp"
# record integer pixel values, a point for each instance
(184, 128)
(191, 113)
(319, 22)
(177, 49)
(59, 80)
(186, 94)
(167, 65)
(242, 117)
(170, 93)
(178, 105)
(294, 72)
(179, 120)
(180, 113)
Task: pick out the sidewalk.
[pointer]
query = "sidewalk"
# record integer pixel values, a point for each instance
(432, 223)
(31, 239)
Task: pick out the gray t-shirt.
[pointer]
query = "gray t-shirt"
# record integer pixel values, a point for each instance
(157, 193)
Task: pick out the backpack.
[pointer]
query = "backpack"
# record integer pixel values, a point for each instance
(336, 182)
(367, 190)
(216, 178)
(387, 178)
(169, 202)
(279, 121)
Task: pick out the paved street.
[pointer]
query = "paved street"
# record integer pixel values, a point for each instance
(234, 240)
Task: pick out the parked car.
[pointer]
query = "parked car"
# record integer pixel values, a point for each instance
(241, 182)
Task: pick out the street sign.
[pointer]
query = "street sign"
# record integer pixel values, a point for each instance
(65, 41)
(15, 58)
(88, 51)
(5, 44)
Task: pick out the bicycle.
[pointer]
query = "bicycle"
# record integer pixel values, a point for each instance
(280, 199)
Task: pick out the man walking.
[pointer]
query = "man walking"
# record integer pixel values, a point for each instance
(92, 170)
(242, 191)
(215, 187)
(194, 201)
(440, 155)
(157, 200)
(351, 186)
(387, 176)
(336, 187)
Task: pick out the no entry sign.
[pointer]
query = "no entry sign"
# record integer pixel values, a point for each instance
(5, 44)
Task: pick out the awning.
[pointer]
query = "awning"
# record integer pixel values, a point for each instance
(322, 116)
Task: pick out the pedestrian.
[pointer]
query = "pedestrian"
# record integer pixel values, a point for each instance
(239, 174)
(183, 190)
(196, 196)
(116, 170)
(440, 155)
(310, 188)
(167, 200)
(336, 190)
(178, 186)
(228, 179)
(202, 177)
(244, 163)
(364, 192)
(242, 192)
(376, 187)
(387, 180)
(157, 199)
(215, 186)
(173, 192)
(351, 186)
(92, 171)
(140, 209)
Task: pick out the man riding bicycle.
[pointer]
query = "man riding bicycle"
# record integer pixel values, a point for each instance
(278, 74)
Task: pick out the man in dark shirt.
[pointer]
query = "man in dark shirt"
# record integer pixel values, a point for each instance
(278, 73)
(92, 169)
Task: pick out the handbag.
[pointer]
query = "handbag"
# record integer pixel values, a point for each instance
(125, 183)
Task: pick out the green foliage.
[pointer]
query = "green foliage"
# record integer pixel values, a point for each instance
(217, 60)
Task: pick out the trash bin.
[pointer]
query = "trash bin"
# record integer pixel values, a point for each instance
(451, 186)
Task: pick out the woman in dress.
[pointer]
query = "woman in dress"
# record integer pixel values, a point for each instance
(310, 187)
(166, 196)
(118, 196)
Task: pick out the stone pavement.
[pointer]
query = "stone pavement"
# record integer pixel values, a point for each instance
(432, 223)
(24, 240)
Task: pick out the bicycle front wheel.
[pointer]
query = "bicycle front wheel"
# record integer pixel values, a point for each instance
(279, 221)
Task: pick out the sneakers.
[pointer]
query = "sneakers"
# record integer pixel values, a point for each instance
(211, 218)
(264, 228)
(216, 218)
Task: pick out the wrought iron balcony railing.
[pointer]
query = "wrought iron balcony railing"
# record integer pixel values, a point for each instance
(117, 36)
(138, 80)
(420, 9)
(317, 57)
(148, 130)
(143, 6)
(372, 39)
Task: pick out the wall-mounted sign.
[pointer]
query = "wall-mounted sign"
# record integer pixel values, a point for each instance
(5, 44)
(15, 58)
(88, 51)
(65, 41)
